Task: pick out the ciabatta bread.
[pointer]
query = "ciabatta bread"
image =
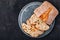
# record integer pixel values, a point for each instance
(47, 12)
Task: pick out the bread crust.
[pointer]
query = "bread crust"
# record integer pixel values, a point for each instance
(43, 8)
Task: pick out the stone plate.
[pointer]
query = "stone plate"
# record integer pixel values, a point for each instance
(26, 13)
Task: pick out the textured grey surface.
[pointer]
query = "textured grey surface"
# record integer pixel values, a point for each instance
(9, 29)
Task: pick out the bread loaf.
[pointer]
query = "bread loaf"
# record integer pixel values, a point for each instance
(47, 12)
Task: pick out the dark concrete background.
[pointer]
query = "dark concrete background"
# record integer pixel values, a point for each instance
(9, 29)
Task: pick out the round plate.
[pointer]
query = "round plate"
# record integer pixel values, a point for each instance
(26, 13)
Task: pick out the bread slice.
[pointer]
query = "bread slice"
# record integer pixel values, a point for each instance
(47, 12)
(35, 26)
(32, 31)
(36, 33)
(38, 23)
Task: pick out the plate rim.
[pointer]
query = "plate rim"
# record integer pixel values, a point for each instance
(20, 13)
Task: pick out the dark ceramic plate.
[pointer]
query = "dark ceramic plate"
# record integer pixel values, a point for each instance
(26, 12)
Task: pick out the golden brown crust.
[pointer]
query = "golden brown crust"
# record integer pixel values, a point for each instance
(52, 16)
(43, 8)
